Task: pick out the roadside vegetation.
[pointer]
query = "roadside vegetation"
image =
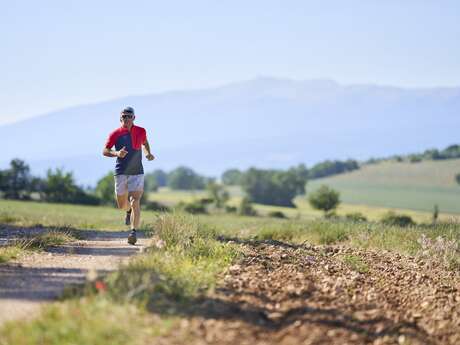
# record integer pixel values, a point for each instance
(20, 245)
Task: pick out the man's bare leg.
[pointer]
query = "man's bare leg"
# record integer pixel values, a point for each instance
(135, 204)
(122, 202)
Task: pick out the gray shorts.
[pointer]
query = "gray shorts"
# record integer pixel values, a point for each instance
(128, 183)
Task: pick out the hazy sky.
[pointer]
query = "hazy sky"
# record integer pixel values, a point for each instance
(56, 54)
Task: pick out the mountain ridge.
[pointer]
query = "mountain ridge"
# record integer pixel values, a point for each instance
(266, 122)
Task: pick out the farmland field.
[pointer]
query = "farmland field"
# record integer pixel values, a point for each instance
(415, 186)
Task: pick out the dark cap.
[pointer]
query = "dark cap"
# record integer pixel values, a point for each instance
(128, 111)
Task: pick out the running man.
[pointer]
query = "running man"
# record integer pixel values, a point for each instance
(129, 173)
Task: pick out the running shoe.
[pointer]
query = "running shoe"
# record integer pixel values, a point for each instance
(132, 238)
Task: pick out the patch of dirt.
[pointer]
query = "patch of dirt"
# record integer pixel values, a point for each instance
(40, 277)
(281, 294)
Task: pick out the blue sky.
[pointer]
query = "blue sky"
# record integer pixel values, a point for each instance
(56, 54)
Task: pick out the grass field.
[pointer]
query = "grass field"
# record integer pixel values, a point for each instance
(304, 210)
(152, 291)
(414, 186)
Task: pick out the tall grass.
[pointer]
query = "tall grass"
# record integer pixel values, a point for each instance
(185, 267)
(19, 246)
(95, 321)
(359, 234)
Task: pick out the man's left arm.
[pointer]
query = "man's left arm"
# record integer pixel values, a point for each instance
(147, 152)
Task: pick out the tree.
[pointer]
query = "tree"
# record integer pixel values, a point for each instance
(105, 189)
(16, 181)
(325, 199)
(232, 177)
(328, 168)
(186, 179)
(150, 183)
(274, 187)
(218, 194)
(160, 177)
(60, 187)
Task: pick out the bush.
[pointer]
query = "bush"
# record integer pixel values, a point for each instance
(325, 199)
(394, 219)
(246, 208)
(194, 207)
(277, 214)
(415, 158)
(156, 206)
(231, 209)
(218, 195)
(356, 217)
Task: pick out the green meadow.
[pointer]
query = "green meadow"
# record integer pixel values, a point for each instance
(412, 186)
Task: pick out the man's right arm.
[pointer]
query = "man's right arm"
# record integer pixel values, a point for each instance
(112, 153)
(109, 153)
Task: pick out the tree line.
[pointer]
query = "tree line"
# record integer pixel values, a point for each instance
(16, 182)
(450, 152)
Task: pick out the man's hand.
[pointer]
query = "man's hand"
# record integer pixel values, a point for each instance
(150, 157)
(122, 153)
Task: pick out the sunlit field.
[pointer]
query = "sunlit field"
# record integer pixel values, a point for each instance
(416, 186)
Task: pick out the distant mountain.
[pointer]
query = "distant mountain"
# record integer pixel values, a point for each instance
(264, 122)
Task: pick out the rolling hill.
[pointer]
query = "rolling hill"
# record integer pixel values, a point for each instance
(417, 186)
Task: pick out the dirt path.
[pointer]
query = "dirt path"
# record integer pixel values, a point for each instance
(286, 295)
(40, 277)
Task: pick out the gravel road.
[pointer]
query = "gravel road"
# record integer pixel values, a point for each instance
(40, 277)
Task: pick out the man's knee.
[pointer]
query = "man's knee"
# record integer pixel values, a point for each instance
(134, 200)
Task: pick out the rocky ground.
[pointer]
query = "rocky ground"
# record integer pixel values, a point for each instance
(281, 294)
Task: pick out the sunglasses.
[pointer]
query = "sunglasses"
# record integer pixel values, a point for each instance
(127, 116)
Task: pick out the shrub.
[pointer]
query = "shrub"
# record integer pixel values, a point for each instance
(217, 193)
(194, 207)
(231, 209)
(356, 217)
(324, 198)
(156, 206)
(246, 208)
(394, 219)
(276, 214)
(285, 233)
(333, 235)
